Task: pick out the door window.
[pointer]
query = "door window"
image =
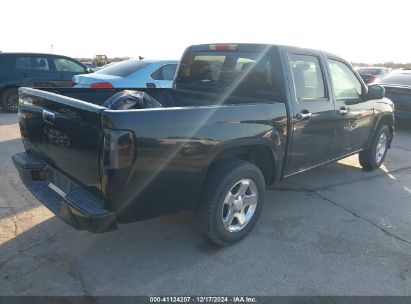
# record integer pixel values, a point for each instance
(308, 77)
(166, 72)
(66, 65)
(346, 84)
(32, 63)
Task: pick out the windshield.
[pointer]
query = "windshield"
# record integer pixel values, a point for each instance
(239, 73)
(397, 79)
(124, 68)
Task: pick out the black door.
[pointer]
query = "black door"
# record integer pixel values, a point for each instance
(66, 69)
(354, 114)
(313, 113)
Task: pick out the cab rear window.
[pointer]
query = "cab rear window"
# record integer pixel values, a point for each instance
(237, 73)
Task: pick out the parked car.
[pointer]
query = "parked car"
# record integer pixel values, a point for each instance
(90, 65)
(132, 73)
(34, 70)
(240, 117)
(398, 88)
(104, 66)
(371, 74)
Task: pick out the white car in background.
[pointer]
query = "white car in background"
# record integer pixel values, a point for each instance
(132, 73)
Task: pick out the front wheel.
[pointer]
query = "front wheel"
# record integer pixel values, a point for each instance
(10, 99)
(374, 156)
(231, 201)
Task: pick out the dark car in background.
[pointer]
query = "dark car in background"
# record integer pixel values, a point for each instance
(34, 70)
(398, 88)
(371, 74)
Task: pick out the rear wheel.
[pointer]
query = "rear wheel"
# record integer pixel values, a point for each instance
(374, 156)
(10, 99)
(231, 201)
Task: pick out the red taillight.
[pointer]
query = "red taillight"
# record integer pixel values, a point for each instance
(372, 78)
(118, 149)
(98, 85)
(117, 160)
(223, 47)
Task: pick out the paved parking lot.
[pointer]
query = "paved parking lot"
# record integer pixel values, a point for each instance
(336, 230)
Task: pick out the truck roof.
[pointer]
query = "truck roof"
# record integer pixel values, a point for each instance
(253, 47)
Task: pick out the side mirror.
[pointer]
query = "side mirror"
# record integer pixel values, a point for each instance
(88, 70)
(375, 91)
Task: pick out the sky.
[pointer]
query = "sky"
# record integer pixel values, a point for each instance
(366, 31)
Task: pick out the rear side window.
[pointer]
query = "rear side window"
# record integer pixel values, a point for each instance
(124, 68)
(346, 85)
(5, 61)
(308, 77)
(66, 65)
(165, 72)
(237, 73)
(33, 63)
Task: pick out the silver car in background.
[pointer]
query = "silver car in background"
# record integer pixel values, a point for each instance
(132, 73)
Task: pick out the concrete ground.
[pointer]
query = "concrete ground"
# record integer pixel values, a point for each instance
(336, 230)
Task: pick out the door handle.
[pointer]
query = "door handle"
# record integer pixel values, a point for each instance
(48, 117)
(343, 111)
(304, 115)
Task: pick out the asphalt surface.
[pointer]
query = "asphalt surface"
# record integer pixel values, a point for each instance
(336, 230)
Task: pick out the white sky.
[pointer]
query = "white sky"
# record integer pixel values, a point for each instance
(362, 31)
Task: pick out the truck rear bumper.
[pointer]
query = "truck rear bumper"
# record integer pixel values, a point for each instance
(66, 199)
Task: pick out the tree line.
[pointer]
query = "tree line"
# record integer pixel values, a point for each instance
(115, 59)
(388, 64)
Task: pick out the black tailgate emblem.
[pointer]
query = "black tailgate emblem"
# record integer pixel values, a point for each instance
(48, 117)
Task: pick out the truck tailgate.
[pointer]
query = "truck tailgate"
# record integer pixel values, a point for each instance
(64, 132)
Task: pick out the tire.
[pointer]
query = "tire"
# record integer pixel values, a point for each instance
(9, 99)
(374, 156)
(231, 201)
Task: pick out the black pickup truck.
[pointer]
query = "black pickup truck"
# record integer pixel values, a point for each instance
(239, 117)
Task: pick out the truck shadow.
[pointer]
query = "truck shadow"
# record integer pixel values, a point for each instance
(14, 197)
(8, 118)
(152, 252)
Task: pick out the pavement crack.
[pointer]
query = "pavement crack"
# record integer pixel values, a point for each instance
(7, 261)
(281, 189)
(386, 232)
(66, 267)
(402, 148)
(15, 232)
(77, 276)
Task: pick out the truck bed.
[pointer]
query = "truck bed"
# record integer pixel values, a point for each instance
(166, 97)
(172, 147)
